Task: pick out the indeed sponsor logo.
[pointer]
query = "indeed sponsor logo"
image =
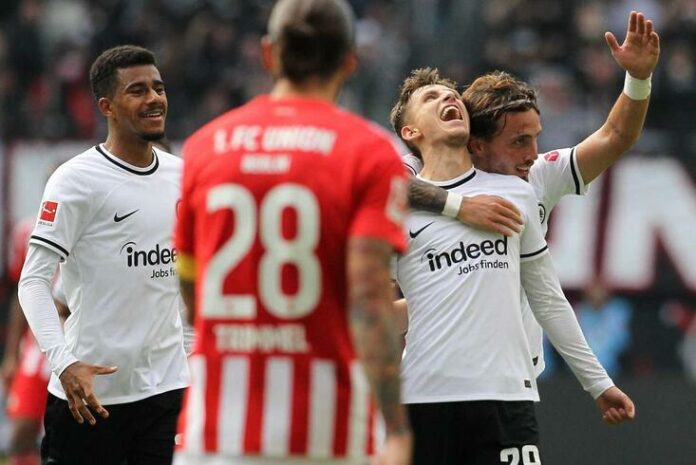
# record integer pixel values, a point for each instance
(156, 256)
(465, 252)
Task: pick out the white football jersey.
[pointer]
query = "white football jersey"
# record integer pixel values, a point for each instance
(553, 175)
(465, 339)
(112, 225)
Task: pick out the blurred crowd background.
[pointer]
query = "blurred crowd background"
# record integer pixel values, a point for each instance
(208, 53)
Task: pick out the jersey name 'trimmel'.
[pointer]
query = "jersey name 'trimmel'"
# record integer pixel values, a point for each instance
(272, 193)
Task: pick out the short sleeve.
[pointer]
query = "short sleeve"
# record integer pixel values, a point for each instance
(556, 174)
(532, 242)
(413, 164)
(380, 195)
(64, 211)
(184, 239)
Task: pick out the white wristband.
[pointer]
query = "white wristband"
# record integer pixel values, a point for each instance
(452, 204)
(637, 89)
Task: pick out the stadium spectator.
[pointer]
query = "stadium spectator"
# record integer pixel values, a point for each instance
(606, 322)
(107, 216)
(291, 209)
(392, 38)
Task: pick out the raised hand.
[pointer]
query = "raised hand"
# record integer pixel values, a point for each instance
(77, 381)
(616, 407)
(640, 51)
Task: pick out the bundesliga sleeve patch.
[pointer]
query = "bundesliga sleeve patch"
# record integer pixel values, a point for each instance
(551, 156)
(48, 212)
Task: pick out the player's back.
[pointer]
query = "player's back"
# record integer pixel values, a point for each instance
(275, 188)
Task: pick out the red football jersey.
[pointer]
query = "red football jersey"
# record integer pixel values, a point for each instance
(18, 247)
(272, 192)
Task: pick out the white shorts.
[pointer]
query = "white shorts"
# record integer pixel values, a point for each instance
(196, 459)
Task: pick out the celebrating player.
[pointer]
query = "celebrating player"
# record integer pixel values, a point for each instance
(291, 209)
(107, 216)
(469, 380)
(505, 124)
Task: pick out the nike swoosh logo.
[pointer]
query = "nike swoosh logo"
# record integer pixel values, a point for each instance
(414, 234)
(118, 219)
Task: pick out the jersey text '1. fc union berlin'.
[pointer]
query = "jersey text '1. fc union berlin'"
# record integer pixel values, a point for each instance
(272, 193)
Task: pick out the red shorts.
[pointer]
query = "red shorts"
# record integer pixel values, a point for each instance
(27, 396)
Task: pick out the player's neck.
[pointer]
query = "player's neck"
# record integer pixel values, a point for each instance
(443, 163)
(136, 152)
(326, 91)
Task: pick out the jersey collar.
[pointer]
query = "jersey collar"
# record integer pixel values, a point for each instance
(140, 171)
(451, 183)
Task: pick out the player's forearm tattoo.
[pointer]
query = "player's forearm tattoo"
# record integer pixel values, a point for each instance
(374, 335)
(426, 197)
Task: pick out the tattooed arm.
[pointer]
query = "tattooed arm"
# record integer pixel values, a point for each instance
(487, 212)
(376, 339)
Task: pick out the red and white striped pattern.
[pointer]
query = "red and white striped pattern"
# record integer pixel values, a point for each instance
(258, 406)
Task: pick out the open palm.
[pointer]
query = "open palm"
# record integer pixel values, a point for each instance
(640, 50)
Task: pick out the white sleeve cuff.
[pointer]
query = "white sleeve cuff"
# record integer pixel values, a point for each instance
(598, 388)
(60, 358)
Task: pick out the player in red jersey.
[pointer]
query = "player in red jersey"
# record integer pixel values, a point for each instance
(291, 209)
(25, 371)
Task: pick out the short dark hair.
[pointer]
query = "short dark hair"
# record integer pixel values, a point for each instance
(493, 95)
(103, 73)
(313, 35)
(418, 78)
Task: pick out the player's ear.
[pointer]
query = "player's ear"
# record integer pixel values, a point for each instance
(409, 133)
(350, 63)
(475, 145)
(104, 105)
(267, 56)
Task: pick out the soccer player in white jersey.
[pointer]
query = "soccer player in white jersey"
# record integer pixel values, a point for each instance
(469, 381)
(107, 216)
(505, 124)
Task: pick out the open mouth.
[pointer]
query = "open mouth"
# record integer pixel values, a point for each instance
(159, 113)
(524, 170)
(451, 113)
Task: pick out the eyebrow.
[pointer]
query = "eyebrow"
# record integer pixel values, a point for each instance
(436, 92)
(156, 82)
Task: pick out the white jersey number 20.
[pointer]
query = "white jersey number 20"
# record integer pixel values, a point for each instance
(278, 251)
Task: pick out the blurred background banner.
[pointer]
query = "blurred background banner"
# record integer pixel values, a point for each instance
(626, 252)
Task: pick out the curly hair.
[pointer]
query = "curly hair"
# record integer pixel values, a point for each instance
(103, 75)
(418, 78)
(491, 96)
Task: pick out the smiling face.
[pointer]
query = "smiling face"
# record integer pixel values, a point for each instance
(139, 103)
(513, 149)
(436, 114)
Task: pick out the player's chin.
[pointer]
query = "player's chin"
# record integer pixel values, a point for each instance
(152, 136)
